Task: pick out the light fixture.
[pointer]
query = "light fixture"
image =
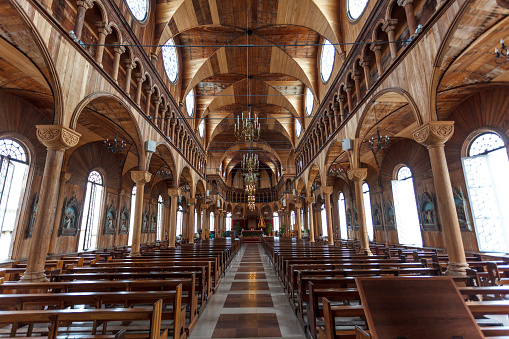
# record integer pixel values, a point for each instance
(336, 170)
(247, 129)
(114, 146)
(314, 186)
(185, 188)
(250, 163)
(163, 173)
(500, 55)
(380, 142)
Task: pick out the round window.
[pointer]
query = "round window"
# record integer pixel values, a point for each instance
(190, 103)
(139, 8)
(170, 60)
(327, 60)
(309, 101)
(356, 8)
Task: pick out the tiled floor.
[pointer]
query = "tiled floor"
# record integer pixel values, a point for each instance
(250, 302)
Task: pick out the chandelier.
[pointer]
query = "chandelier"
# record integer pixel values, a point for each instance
(336, 170)
(500, 55)
(185, 188)
(247, 129)
(163, 173)
(250, 163)
(114, 146)
(378, 143)
(250, 189)
(251, 202)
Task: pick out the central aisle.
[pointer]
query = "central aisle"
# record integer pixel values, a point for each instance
(250, 302)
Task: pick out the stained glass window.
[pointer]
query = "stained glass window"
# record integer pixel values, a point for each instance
(309, 101)
(139, 8)
(298, 128)
(485, 171)
(201, 128)
(356, 7)
(190, 103)
(170, 60)
(327, 60)
(13, 168)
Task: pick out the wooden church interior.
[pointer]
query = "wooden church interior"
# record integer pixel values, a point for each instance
(379, 138)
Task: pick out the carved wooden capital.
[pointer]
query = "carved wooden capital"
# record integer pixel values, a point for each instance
(130, 63)
(203, 206)
(403, 3)
(298, 205)
(310, 199)
(103, 27)
(87, 4)
(358, 174)
(389, 25)
(173, 192)
(141, 177)
(118, 49)
(191, 201)
(57, 138)
(327, 190)
(434, 133)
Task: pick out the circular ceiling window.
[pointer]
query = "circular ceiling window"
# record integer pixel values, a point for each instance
(170, 60)
(356, 8)
(201, 128)
(139, 8)
(298, 127)
(309, 101)
(327, 60)
(190, 103)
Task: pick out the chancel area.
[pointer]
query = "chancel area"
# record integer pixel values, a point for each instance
(254, 168)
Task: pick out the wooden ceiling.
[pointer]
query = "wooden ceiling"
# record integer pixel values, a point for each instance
(269, 78)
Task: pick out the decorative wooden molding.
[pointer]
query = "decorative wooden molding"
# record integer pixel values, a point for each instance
(125, 219)
(58, 138)
(357, 174)
(110, 219)
(434, 133)
(327, 190)
(71, 217)
(141, 177)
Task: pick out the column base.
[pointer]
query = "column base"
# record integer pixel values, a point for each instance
(136, 254)
(456, 269)
(32, 277)
(171, 245)
(331, 243)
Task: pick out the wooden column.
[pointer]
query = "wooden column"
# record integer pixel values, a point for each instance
(389, 26)
(327, 191)
(140, 178)
(156, 119)
(298, 207)
(357, 175)
(140, 78)
(165, 229)
(104, 30)
(357, 81)
(337, 113)
(341, 100)
(83, 6)
(64, 177)
(310, 201)
(118, 50)
(216, 223)
(148, 92)
(348, 91)
(410, 16)
(367, 75)
(174, 195)
(376, 48)
(57, 139)
(129, 64)
(434, 135)
(206, 222)
(190, 230)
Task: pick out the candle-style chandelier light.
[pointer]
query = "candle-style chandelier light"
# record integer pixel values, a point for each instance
(336, 170)
(250, 163)
(163, 173)
(247, 129)
(251, 202)
(502, 54)
(380, 142)
(114, 146)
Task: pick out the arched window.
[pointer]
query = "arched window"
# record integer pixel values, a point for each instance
(310, 100)
(91, 211)
(139, 8)
(275, 221)
(170, 60)
(298, 128)
(180, 220)
(195, 221)
(486, 167)
(228, 221)
(367, 210)
(190, 103)
(160, 211)
(14, 166)
(201, 128)
(211, 221)
(133, 207)
(302, 218)
(292, 218)
(323, 216)
(356, 8)
(327, 60)
(342, 216)
(407, 217)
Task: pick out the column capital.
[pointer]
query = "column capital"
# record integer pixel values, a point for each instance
(140, 77)
(389, 25)
(375, 47)
(357, 174)
(348, 87)
(327, 190)
(434, 133)
(310, 199)
(191, 201)
(130, 63)
(403, 3)
(118, 49)
(141, 177)
(298, 205)
(203, 206)
(57, 137)
(173, 192)
(87, 4)
(103, 27)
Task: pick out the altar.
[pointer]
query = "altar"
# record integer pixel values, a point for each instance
(252, 235)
